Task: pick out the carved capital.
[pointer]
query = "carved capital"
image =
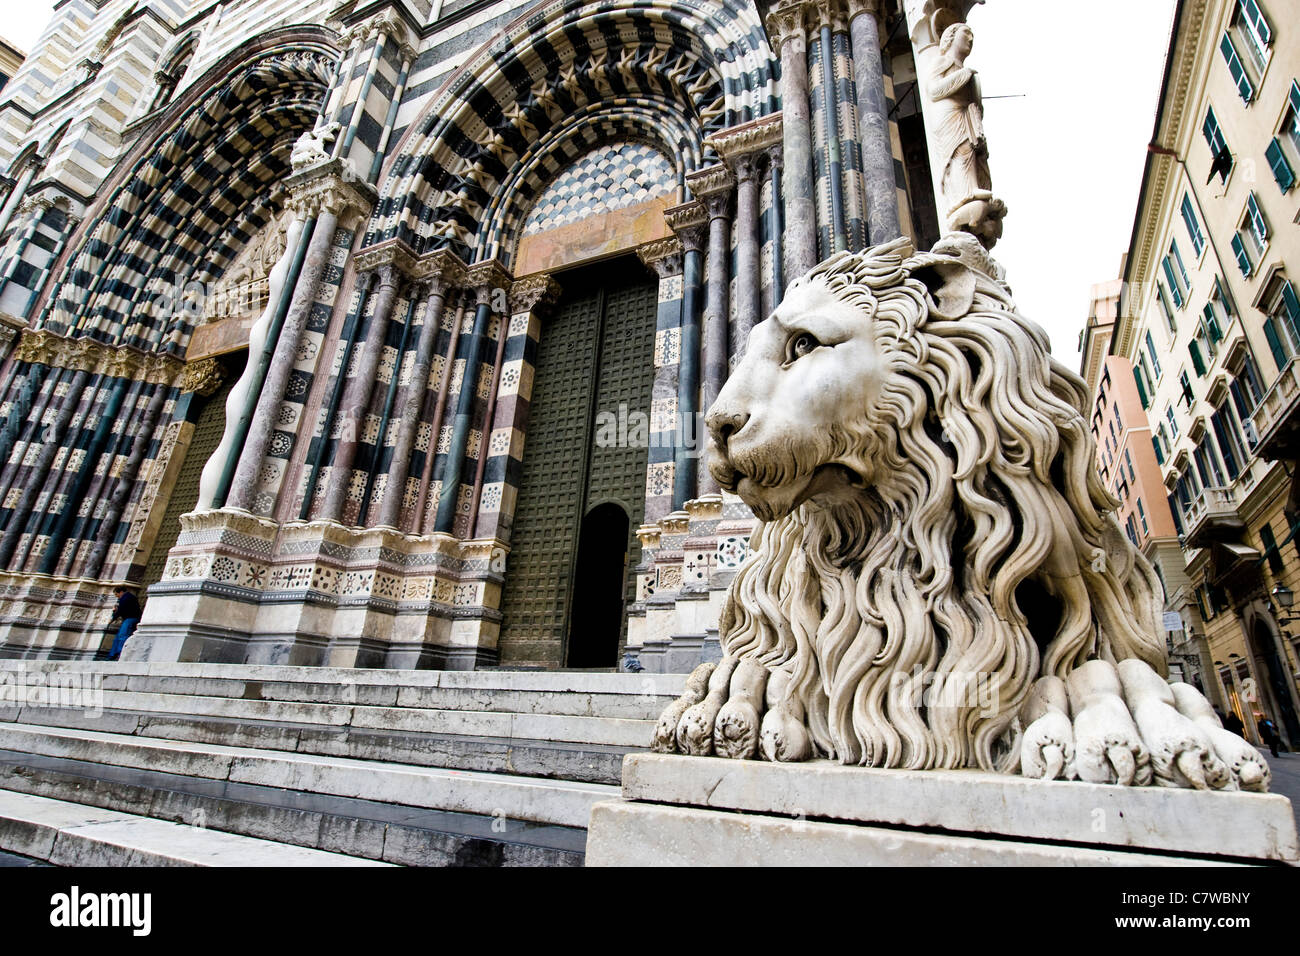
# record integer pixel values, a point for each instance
(533, 293)
(690, 222)
(203, 377)
(748, 140)
(392, 255)
(859, 7)
(710, 181)
(827, 13)
(664, 256)
(440, 270)
(35, 204)
(332, 187)
(485, 278)
(38, 347)
(787, 22)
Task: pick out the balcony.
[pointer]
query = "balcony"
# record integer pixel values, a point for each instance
(1212, 516)
(1276, 419)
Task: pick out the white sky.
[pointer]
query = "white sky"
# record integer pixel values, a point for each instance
(1067, 156)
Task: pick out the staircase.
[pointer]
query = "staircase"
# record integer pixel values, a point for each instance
(222, 764)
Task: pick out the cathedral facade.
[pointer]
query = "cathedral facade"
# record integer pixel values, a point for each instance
(379, 334)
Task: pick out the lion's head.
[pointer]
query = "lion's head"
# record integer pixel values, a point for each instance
(935, 531)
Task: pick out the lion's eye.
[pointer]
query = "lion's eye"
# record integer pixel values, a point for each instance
(802, 344)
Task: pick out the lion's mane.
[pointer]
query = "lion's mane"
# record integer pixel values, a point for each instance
(914, 619)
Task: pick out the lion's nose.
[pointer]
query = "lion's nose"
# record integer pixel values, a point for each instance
(723, 424)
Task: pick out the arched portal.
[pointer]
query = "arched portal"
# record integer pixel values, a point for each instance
(599, 585)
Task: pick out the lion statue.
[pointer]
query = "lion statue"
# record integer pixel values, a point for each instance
(938, 580)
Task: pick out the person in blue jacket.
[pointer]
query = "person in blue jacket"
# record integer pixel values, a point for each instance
(128, 611)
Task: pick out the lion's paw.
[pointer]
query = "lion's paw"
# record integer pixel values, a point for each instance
(697, 685)
(735, 732)
(1182, 754)
(1047, 749)
(1107, 745)
(1246, 764)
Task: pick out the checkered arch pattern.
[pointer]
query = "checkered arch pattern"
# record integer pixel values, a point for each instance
(705, 62)
(609, 177)
(188, 204)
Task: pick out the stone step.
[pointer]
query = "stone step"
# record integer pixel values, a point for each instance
(359, 828)
(501, 796)
(559, 693)
(610, 731)
(591, 763)
(72, 834)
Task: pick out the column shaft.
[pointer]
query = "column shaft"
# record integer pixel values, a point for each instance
(356, 397)
(830, 104)
(800, 208)
(451, 474)
(688, 382)
(716, 319)
(286, 350)
(409, 407)
(873, 126)
(748, 252)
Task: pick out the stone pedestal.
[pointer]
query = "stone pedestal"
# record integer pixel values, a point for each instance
(693, 811)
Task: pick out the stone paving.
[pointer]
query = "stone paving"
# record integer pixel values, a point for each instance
(1286, 778)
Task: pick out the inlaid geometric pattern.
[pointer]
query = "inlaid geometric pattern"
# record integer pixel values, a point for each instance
(610, 177)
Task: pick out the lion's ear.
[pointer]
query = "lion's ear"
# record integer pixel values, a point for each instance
(951, 288)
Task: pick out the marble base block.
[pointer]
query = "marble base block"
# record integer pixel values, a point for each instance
(686, 811)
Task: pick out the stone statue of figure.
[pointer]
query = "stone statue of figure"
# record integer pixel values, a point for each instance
(959, 130)
(312, 147)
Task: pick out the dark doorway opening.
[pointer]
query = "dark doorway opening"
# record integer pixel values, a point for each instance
(599, 574)
(1277, 693)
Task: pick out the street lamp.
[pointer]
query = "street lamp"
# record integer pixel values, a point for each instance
(1285, 597)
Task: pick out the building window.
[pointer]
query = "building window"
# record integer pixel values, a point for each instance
(1142, 516)
(1165, 309)
(1284, 151)
(1173, 422)
(1251, 239)
(1193, 226)
(1176, 274)
(1131, 530)
(1128, 462)
(1251, 26)
(1160, 454)
(1245, 86)
(1115, 410)
(1282, 327)
(1228, 435)
(1271, 551)
(1220, 155)
(1151, 353)
(1208, 466)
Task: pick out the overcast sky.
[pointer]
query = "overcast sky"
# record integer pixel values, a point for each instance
(1067, 143)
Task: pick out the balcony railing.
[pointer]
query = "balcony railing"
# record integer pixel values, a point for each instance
(1274, 418)
(1213, 507)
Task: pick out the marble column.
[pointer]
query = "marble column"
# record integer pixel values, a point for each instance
(445, 270)
(873, 122)
(713, 187)
(744, 149)
(786, 27)
(125, 483)
(485, 278)
(34, 480)
(747, 255)
(356, 395)
(827, 18)
(285, 355)
(775, 167)
(689, 222)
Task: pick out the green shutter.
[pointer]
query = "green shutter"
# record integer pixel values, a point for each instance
(1173, 283)
(1244, 86)
(1212, 332)
(1275, 346)
(1255, 16)
(1281, 167)
(1197, 362)
(1256, 217)
(1142, 392)
(1292, 305)
(1225, 296)
(1243, 257)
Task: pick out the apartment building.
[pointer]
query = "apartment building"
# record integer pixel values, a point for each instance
(1209, 319)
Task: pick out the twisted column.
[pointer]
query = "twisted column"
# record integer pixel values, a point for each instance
(356, 396)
